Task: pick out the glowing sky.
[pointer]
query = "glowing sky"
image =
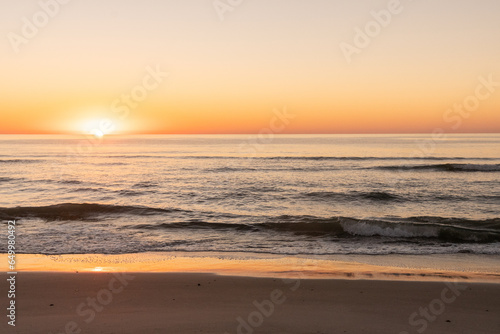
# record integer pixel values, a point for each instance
(227, 76)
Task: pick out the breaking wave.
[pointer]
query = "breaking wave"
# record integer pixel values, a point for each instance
(447, 167)
(438, 228)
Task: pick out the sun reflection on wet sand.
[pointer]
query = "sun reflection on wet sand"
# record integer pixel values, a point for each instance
(258, 266)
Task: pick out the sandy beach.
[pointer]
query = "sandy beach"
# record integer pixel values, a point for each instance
(207, 303)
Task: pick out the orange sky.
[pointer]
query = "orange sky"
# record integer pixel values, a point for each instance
(228, 76)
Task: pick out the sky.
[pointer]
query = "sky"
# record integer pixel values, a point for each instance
(221, 66)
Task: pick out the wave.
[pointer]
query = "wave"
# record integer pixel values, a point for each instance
(442, 229)
(9, 179)
(198, 225)
(89, 190)
(261, 169)
(130, 193)
(455, 230)
(146, 184)
(234, 169)
(80, 211)
(70, 182)
(354, 195)
(447, 167)
(384, 196)
(320, 158)
(19, 161)
(110, 164)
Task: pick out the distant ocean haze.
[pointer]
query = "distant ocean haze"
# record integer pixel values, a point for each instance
(295, 194)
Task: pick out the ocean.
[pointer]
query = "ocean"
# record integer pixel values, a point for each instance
(305, 195)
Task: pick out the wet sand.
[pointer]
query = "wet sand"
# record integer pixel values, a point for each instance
(55, 302)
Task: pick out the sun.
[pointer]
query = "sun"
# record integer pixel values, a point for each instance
(98, 133)
(98, 127)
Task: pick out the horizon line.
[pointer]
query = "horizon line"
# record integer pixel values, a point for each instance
(242, 133)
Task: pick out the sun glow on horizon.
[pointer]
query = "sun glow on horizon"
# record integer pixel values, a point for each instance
(98, 127)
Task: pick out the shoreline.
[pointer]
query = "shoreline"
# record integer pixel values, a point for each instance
(461, 267)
